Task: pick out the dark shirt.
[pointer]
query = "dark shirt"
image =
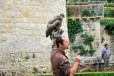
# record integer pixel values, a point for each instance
(60, 63)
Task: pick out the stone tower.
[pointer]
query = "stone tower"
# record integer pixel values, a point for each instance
(24, 49)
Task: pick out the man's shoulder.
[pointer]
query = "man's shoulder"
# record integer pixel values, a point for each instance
(104, 49)
(61, 57)
(58, 54)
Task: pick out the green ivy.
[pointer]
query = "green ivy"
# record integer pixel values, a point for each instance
(86, 13)
(87, 40)
(109, 5)
(92, 50)
(35, 69)
(27, 57)
(74, 27)
(109, 25)
(108, 12)
(102, 40)
(81, 49)
(33, 56)
(68, 12)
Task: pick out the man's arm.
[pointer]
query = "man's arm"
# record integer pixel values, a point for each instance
(75, 66)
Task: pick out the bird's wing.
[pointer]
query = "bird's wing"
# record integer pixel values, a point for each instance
(53, 25)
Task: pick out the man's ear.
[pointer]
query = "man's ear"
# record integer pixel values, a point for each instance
(60, 45)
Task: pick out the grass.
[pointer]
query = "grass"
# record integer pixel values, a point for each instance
(89, 74)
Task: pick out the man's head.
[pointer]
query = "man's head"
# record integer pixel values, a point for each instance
(106, 46)
(62, 43)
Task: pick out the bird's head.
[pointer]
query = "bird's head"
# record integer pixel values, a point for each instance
(62, 15)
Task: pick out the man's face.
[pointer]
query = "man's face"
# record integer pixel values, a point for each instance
(65, 43)
(107, 46)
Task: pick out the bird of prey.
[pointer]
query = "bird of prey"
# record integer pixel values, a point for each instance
(54, 25)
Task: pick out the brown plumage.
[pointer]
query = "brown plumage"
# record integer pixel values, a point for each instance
(54, 25)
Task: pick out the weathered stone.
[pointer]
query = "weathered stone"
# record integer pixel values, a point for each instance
(23, 24)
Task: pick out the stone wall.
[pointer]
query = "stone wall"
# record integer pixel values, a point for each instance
(90, 27)
(23, 45)
(93, 27)
(90, 14)
(109, 39)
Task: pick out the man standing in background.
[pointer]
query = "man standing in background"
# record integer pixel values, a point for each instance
(105, 56)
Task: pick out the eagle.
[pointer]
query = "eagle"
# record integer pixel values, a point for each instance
(53, 27)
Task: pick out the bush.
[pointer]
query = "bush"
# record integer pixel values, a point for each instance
(83, 0)
(109, 25)
(109, 5)
(110, 0)
(108, 12)
(95, 74)
(90, 74)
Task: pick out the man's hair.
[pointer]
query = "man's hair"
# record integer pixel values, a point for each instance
(59, 40)
(105, 45)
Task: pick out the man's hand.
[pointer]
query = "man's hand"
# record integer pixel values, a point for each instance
(77, 58)
(75, 66)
